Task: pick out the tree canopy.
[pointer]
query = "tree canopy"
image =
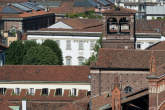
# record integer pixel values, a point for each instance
(86, 14)
(55, 48)
(15, 53)
(31, 53)
(40, 55)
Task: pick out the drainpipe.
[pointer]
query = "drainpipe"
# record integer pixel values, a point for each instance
(24, 104)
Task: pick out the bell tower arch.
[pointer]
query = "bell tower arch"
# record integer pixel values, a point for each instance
(119, 28)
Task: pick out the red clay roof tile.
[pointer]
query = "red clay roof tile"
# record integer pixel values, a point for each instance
(158, 46)
(127, 59)
(44, 73)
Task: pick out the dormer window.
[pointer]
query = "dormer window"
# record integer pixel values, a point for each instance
(74, 92)
(128, 89)
(59, 92)
(17, 91)
(31, 91)
(2, 91)
(45, 91)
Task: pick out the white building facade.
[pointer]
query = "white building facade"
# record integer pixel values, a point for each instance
(76, 46)
(145, 40)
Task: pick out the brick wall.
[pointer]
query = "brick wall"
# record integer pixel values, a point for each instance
(157, 95)
(118, 45)
(134, 80)
(30, 23)
(9, 24)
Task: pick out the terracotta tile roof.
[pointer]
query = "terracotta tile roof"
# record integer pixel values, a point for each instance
(98, 28)
(119, 10)
(127, 59)
(44, 73)
(1, 7)
(150, 26)
(105, 99)
(80, 104)
(26, 14)
(157, 46)
(4, 104)
(38, 101)
(5, 2)
(87, 25)
(13, 1)
(81, 23)
(71, 106)
(160, 70)
(68, 8)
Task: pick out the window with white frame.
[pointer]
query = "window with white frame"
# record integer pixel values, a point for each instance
(74, 92)
(138, 45)
(31, 91)
(17, 91)
(68, 44)
(45, 91)
(80, 60)
(81, 45)
(58, 92)
(2, 91)
(68, 60)
(128, 89)
(92, 45)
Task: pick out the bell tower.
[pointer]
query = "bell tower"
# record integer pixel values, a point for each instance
(119, 28)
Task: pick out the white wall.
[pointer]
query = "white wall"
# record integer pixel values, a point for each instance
(146, 42)
(155, 17)
(60, 25)
(70, 86)
(74, 53)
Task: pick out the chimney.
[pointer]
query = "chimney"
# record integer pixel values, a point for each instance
(24, 104)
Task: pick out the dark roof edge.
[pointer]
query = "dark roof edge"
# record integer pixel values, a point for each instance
(118, 69)
(15, 81)
(155, 77)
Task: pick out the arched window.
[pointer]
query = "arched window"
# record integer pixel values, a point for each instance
(68, 60)
(128, 89)
(124, 25)
(112, 26)
(80, 60)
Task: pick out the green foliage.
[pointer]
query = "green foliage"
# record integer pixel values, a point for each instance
(40, 55)
(93, 58)
(159, 18)
(55, 48)
(15, 53)
(28, 44)
(27, 52)
(153, 18)
(87, 14)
